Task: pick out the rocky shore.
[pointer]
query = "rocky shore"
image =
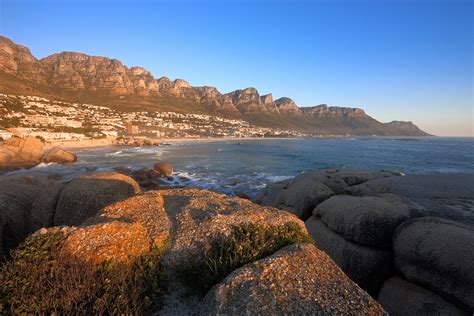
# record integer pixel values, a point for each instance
(98, 244)
(330, 242)
(408, 240)
(18, 153)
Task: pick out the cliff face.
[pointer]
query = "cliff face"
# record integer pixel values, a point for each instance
(80, 77)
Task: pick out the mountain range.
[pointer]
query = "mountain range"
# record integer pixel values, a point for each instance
(78, 77)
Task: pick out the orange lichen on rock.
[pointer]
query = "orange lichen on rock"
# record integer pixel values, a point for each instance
(116, 240)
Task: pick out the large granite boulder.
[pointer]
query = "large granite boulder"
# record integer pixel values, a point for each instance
(368, 267)
(367, 220)
(18, 153)
(84, 196)
(201, 217)
(402, 298)
(124, 229)
(297, 280)
(303, 193)
(59, 155)
(439, 254)
(18, 196)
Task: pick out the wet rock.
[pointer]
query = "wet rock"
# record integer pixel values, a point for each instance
(242, 195)
(59, 155)
(123, 169)
(152, 174)
(368, 267)
(164, 169)
(400, 297)
(438, 253)
(297, 280)
(83, 197)
(367, 220)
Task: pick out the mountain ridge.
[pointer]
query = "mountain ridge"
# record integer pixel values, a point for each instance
(96, 79)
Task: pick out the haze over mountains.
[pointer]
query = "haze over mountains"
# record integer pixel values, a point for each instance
(82, 78)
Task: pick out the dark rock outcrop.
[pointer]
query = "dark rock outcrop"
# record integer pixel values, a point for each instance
(368, 267)
(439, 254)
(26, 204)
(402, 298)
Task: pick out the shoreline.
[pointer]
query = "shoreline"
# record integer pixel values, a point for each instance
(107, 142)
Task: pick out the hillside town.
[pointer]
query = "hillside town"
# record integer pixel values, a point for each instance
(51, 120)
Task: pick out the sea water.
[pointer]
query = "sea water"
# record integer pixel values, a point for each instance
(249, 165)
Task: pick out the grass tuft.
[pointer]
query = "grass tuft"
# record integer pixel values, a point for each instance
(39, 281)
(245, 244)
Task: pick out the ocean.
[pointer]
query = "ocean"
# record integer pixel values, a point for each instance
(249, 165)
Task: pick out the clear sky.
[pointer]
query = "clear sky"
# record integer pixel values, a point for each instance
(398, 60)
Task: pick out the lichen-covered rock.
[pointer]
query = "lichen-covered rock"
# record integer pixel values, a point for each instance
(367, 220)
(402, 298)
(84, 196)
(18, 153)
(120, 232)
(368, 267)
(297, 280)
(438, 253)
(59, 155)
(201, 216)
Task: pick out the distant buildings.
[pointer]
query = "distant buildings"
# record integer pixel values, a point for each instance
(131, 129)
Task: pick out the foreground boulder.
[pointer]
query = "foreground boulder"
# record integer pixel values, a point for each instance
(368, 267)
(164, 169)
(121, 230)
(17, 153)
(367, 220)
(202, 218)
(26, 204)
(297, 280)
(59, 155)
(108, 265)
(123, 258)
(400, 297)
(439, 254)
(83, 197)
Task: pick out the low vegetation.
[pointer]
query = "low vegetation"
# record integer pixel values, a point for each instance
(245, 244)
(40, 281)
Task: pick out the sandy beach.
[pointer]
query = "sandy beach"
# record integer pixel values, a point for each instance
(105, 142)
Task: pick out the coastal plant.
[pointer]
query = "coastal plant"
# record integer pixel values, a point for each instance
(38, 280)
(245, 244)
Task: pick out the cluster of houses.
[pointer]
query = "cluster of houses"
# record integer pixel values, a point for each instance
(32, 116)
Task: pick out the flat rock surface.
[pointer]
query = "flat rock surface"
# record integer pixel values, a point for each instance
(438, 254)
(296, 280)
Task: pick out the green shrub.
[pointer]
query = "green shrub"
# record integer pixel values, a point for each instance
(245, 244)
(39, 281)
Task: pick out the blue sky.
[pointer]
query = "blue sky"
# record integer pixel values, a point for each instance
(398, 60)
